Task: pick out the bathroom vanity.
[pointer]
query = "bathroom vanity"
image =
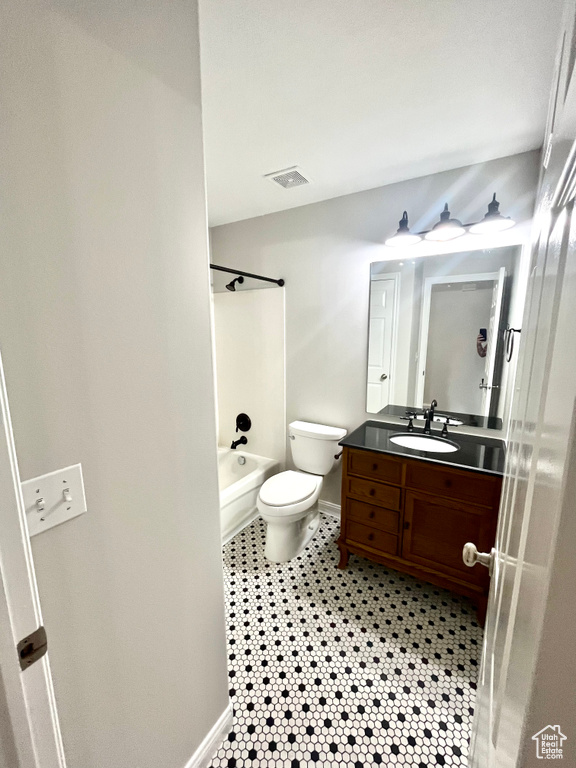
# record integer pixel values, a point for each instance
(414, 511)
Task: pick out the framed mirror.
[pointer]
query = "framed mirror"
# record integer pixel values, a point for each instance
(438, 329)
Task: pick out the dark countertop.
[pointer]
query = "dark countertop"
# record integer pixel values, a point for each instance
(479, 454)
(467, 419)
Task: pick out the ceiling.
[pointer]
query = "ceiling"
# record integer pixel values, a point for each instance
(365, 93)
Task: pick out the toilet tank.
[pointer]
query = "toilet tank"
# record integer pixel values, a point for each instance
(314, 446)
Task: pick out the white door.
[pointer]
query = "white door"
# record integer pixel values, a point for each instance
(540, 460)
(380, 343)
(492, 333)
(31, 738)
(424, 341)
(537, 464)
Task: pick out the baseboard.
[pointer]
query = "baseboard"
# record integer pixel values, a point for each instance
(328, 508)
(212, 742)
(244, 524)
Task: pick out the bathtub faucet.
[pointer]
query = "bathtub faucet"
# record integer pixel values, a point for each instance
(241, 441)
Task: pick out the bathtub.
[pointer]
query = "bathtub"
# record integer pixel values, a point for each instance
(240, 482)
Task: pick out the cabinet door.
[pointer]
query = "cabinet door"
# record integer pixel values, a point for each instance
(435, 530)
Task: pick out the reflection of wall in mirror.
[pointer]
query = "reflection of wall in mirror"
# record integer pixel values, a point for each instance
(469, 263)
(453, 367)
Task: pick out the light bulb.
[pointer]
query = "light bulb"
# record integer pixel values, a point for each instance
(444, 233)
(497, 224)
(403, 239)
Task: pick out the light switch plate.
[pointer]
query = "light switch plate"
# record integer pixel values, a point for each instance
(54, 498)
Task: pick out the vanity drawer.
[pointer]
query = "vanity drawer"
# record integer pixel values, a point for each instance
(372, 537)
(387, 495)
(377, 466)
(467, 486)
(387, 519)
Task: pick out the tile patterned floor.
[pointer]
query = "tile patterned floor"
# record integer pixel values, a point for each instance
(356, 668)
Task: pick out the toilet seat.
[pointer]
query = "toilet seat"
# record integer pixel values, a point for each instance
(288, 487)
(284, 488)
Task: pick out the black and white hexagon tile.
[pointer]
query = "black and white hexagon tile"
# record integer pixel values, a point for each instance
(356, 668)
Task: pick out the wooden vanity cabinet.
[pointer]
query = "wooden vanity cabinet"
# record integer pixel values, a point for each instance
(415, 516)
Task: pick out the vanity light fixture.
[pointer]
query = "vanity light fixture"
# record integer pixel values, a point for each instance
(493, 221)
(403, 236)
(448, 229)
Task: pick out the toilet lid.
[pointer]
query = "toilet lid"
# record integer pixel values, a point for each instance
(288, 488)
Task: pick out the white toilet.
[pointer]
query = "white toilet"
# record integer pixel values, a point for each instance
(288, 501)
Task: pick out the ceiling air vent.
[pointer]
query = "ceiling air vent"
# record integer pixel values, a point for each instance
(288, 178)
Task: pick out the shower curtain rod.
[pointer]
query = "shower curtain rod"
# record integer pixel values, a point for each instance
(247, 274)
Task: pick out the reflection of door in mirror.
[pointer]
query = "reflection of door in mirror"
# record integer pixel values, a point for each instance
(455, 308)
(382, 339)
(490, 388)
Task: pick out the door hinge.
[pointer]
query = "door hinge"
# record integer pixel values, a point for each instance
(32, 648)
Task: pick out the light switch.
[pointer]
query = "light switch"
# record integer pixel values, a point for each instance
(54, 498)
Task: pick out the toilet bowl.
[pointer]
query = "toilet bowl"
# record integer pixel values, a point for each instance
(288, 501)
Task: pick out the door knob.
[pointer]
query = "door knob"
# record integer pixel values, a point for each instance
(384, 377)
(471, 556)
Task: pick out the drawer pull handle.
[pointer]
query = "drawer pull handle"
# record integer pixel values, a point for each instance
(371, 515)
(448, 483)
(406, 525)
(372, 491)
(370, 538)
(374, 467)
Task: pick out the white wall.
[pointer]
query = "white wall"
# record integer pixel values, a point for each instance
(105, 332)
(250, 374)
(324, 251)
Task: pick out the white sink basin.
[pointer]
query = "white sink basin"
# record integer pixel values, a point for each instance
(422, 442)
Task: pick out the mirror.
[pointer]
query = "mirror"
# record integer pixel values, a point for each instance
(438, 329)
